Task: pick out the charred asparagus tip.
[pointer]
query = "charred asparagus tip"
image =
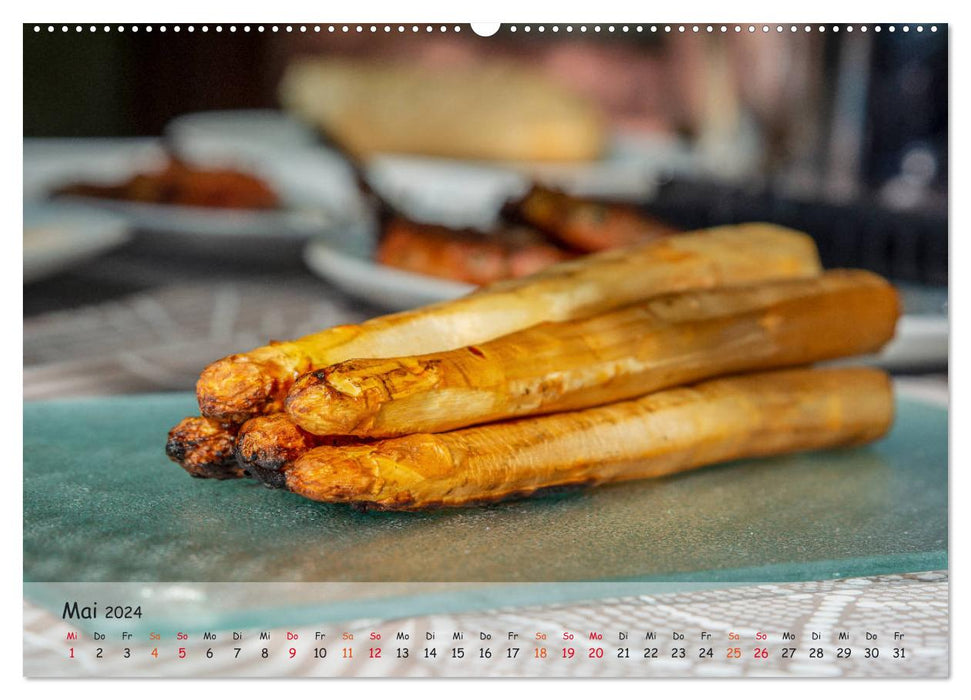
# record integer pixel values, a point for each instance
(268, 445)
(204, 448)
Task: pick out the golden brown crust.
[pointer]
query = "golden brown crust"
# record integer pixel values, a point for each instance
(204, 448)
(663, 342)
(238, 387)
(663, 433)
(266, 446)
(245, 385)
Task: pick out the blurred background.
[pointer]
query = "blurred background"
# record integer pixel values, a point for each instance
(191, 194)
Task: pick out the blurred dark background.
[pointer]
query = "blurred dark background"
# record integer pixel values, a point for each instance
(836, 114)
(841, 133)
(133, 84)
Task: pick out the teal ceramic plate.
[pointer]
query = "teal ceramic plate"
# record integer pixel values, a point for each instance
(103, 503)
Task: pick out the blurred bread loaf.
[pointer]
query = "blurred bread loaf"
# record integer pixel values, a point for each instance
(495, 112)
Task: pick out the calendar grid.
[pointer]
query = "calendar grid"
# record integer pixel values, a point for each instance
(890, 626)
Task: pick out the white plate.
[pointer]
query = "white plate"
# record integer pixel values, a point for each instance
(349, 267)
(921, 339)
(56, 238)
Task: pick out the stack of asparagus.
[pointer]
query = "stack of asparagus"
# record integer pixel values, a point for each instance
(626, 364)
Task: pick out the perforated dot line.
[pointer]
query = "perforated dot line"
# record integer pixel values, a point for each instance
(527, 28)
(285, 28)
(718, 28)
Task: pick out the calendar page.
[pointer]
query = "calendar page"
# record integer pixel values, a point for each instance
(485, 350)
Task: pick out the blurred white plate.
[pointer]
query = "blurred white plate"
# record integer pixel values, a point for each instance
(349, 267)
(224, 136)
(57, 238)
(206, 221)
(921, 339)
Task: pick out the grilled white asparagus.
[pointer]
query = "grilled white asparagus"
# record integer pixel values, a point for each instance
(662, 342)
(245, 385)
(659, 434)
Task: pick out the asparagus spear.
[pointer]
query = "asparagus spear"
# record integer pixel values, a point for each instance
(663, 433)
(662, 342)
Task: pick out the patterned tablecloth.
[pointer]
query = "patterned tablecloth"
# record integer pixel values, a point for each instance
(152, 326)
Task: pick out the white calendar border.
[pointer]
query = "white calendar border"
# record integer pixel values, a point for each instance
(603, 10)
